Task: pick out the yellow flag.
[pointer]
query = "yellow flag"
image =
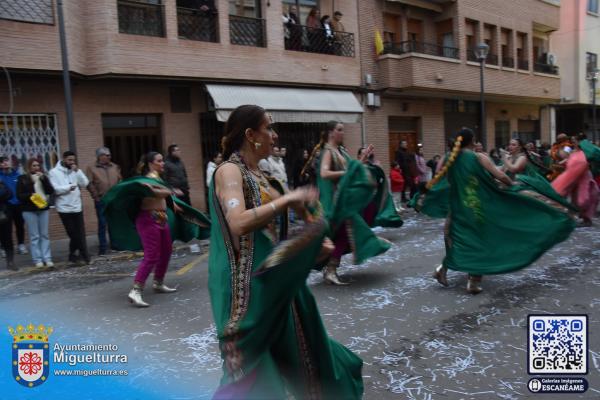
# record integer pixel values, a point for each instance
(378, 43)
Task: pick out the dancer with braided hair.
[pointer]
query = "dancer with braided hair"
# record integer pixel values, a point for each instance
(490, 228)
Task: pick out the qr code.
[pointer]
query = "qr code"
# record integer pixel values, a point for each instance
(557, 344)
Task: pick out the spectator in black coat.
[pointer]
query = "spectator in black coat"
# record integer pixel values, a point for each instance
(6, 226)
(407, 162)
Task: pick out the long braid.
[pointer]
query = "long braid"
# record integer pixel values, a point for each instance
(444, 170)
(313, 154)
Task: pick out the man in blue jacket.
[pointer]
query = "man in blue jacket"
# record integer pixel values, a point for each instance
(9, 177)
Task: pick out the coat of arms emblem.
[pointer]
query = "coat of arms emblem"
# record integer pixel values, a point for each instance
(30, 354)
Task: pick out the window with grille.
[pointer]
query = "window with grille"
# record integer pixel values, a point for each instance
(35, 11)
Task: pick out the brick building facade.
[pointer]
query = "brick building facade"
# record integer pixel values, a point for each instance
(141, 71)
(428, 80)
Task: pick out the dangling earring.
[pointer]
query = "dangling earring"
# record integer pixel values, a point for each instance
(257, 145)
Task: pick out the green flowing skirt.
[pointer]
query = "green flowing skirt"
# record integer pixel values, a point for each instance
(122, 204)
(344, 204)
(495, 230)
(386, 214)
(272, 339)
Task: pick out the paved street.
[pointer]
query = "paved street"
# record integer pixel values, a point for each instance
(418, 340)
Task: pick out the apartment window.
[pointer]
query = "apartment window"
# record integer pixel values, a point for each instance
(506, 43)
(522, 62)
(392, 28)
(490, 38)
(141, 17)
(197, 20)
(502, 130)
(246, 26)
(593, 6)
(471, 39)
(591, 63)
(35, 11)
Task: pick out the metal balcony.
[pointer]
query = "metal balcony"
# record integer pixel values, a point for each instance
(196, 24)
(421, 48)
(315, 40)
(139, 18)
(245, 31)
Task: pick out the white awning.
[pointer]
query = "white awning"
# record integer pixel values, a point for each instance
(288, 104)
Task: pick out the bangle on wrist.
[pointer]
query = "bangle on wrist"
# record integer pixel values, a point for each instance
(273, 207)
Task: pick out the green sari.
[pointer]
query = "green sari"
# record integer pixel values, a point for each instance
(272, 340)
(435, 202)
(592, 154)
(384, 208)
(493, 230)
(122, 204)
(343, 203)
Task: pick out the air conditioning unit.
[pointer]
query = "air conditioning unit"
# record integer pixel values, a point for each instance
(373, 100)
(550, 58)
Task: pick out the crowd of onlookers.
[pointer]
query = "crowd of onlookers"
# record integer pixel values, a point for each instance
(319, 34)
(28, 192)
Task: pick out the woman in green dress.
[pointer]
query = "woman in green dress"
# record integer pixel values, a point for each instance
(518, 160)
(336, 175)
(381, 211)
(491, 228)
(272, 340)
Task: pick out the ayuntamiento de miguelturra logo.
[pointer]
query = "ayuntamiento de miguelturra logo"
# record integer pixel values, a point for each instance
(30, 354)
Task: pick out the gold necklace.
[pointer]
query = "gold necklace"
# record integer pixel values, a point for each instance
(262, 181)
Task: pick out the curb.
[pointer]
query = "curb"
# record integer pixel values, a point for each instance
(61, 266)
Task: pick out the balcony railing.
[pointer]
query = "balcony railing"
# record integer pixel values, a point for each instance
(196, 24)
(420, 47)
(523, 64)
(315, 40)
(246, 31)
(545, 68)
(139, 18)
(492, 59)
(508, 62)
(471, 56)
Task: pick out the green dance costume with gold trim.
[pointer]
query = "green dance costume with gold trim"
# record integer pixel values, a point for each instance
(272, 340)
(494, 230)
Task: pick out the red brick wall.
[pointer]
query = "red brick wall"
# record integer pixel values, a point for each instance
(91, 100)
(96, 47)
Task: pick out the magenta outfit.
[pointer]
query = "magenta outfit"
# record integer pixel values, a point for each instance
(578, 182)
(156, 241)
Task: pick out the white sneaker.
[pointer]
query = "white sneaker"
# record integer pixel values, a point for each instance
(21, 249)
(39, 265)
(49, 264)
(195, 248)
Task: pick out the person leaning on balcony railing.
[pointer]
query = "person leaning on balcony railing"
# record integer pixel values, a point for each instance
(313, 27)
(293, 29)
(326, 37)
(339, 29)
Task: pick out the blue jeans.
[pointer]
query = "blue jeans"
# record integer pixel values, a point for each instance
(37, 227)
(103, 244)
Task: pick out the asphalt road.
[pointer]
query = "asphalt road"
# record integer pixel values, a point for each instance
(418, 340)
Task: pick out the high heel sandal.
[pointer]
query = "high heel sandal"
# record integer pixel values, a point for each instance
(439, 274)
(473, 285)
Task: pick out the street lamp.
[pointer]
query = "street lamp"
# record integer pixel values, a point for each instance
(594, 78)
(481, 52)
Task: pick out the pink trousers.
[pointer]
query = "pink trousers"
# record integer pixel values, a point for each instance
(156, 241)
